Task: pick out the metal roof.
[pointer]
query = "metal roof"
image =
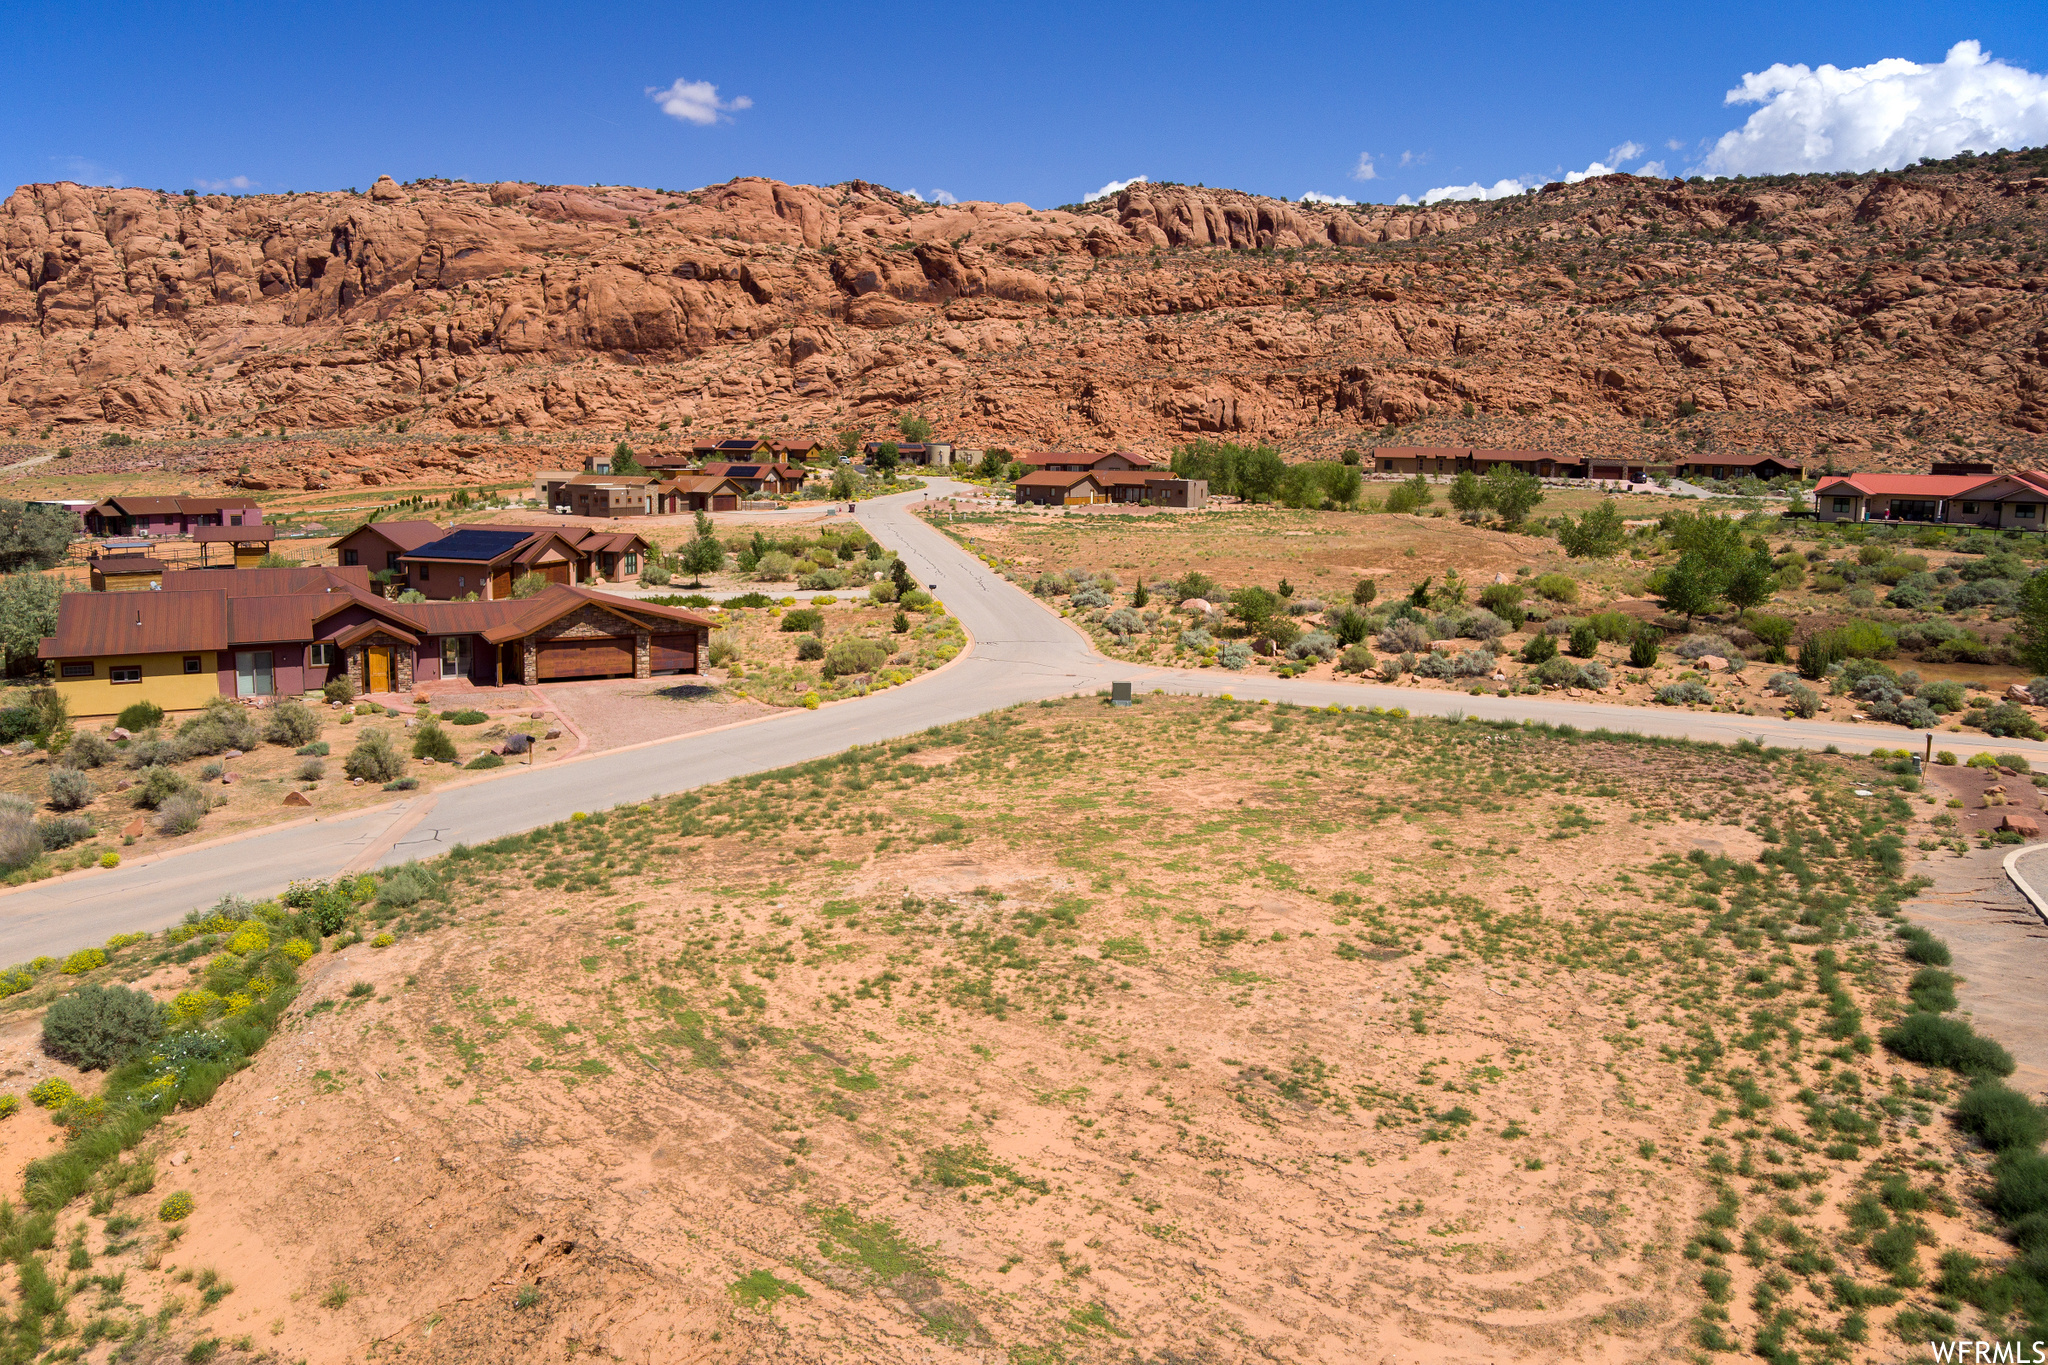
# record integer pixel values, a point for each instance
(269, 582)
(122, 623)
(403, 535)
(479, 544)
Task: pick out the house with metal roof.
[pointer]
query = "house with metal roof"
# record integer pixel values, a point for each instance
(2014, 501)
(179, 648)
(126, 516)
(378, 545)
(1060, 487)
(772, 479)
(1068, 461)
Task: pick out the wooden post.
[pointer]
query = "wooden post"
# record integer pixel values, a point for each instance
(1927, 761)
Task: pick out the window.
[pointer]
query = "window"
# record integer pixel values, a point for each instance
(320, 655)
(2025, 511)
(191, 663)
(348, 558)
(425, 573)
(390, 559)
(124, 673)
(1842, 507)
(235, 520)
(82, 669)
(254, 676)
(461, 582)
(455, 656)
(1969, 509)
(631, 563)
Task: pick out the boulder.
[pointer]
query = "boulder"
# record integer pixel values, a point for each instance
(1448, 646)
(507, 192)
(232, 753)
(2022, 823)
(554, 732)
(297, 798)
(228, 779)
(536, 715)
(515, 744)
(1200, 606)
(136, 828)
(2017, 693)
(1713, 663)
(386, 190)
(119, 733)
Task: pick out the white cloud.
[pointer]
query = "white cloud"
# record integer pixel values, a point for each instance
(1312, 197)
(1364, 169)
(1672, 144)
(1115, 187)
(1627, 151)
(1413, 159)
(696, 102)
(933, 197)
(1593, 169)
(1650, 169)
(1499, 189)
(1881, 116)
(233, 182)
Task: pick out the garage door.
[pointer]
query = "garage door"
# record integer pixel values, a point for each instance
(675, 653)
(557, 572)
(606, 658)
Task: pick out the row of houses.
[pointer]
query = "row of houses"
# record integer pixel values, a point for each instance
(258, 633)
(1545, 464)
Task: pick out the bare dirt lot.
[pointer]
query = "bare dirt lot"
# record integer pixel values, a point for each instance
(1197, 1030)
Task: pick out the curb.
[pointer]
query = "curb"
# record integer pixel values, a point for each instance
(2026, 888)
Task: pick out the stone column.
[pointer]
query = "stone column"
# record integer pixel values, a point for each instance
(643, 655)
(529, 670)
(401, 666)
(354, 660)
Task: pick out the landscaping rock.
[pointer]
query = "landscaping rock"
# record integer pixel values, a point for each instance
(227, 779)
(2022, 824)
(1713, 663)
(1201, 606)
(536, 715)
(2019, 694)
(1447, 646)
(136, 828)
(554, 732)
(232, 753)
(297, 799)
(120, 733)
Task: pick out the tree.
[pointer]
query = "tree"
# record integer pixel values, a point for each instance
(1468, 496)
(1512, 493)
(1412, 496)
(28, 614)
(899, 574)
(33, 537)
(1716, 544)
(1596, 535)
(431, 741)
(914, 428)
(2030, 640)
(842, 484)
(1255, 607)
(529, 585)
(847, 443)
(1139, 597)
(704, 553)
(375, 758)
(886, 457)
(1364, 591)
(1690, 587)
(1752, 584)
(623, 461)
(994, 461)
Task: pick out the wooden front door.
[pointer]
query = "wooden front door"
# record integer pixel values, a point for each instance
(377, 667)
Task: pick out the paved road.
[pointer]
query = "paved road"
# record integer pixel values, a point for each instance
(1021, 652)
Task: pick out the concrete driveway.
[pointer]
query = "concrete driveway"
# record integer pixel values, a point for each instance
(1020, 652)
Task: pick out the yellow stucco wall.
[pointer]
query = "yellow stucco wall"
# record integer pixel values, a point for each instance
(164, 681)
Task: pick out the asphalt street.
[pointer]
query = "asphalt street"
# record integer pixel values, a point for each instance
(1020, 652)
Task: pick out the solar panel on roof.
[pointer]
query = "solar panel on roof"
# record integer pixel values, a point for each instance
(477, 543)
(735, 445)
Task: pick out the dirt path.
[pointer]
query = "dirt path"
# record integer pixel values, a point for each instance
(2001, 953)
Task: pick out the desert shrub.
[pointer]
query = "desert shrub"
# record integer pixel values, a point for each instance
(1933, 990)
(1700, 646)
(466, 716)
(1644, 645)
(1051, 583)
(89, 749)
(1982, 593)
(2003, 1118)
(1123, 621)
(1320, 644)
(854, 655)
(1497, 596)
(774, 567)
(310, 770)
(1882, 698)
(486, 759)
(1594, 674)
(339, 690)
(1559, 671)
(139, 716)
(1555, 586)
(158, 785)
(1473, 663)
(62, 831)
(1941, 696)
(181, 813)
(803, 621)
(1356, 659)
(69, 789)
(1940, 1040)
(52, 1092)
(97, 1028)
(1800, 699)
(918, 598)
(1540, 649)
(1911, 595)
(821, 579)
(1234, 655)
(431, 741)
(809, 647)
(1612, 626)
(2019, 1184)
(375, 758)
(655, 574)
(1481, 625)
(406, 886)
(176, 1207)
(723, 649)
(1432, 665)
(20, 843)
(83, 961)
(883, 592)
(2002, 719)
(1585, 641)
(1197, 639)
(221, 726)
(291, 723)
(1689, 692)
(1403, 637)
(1089, 596)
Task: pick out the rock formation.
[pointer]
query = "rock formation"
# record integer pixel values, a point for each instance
(1876, 318)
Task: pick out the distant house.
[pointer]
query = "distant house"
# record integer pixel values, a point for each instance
(753, 448)
(1739, 467)
(2015, 501)
(603, 495)
(699, 493)
(126, 516)
(771, 479)
(378, 545)
(1060, 487)
(177, 649)
(486, 560)
(1458, 459)
(797, 448)
(75, 507)
(245, 546)
(1145, 486)
(125, 573)
(1068, 461)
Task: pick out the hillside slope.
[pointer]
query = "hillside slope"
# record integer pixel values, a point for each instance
(1868, 316)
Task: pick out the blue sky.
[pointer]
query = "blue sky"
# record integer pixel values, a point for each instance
(1043, 103)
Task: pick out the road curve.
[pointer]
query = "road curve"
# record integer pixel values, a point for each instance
(1020, 652)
